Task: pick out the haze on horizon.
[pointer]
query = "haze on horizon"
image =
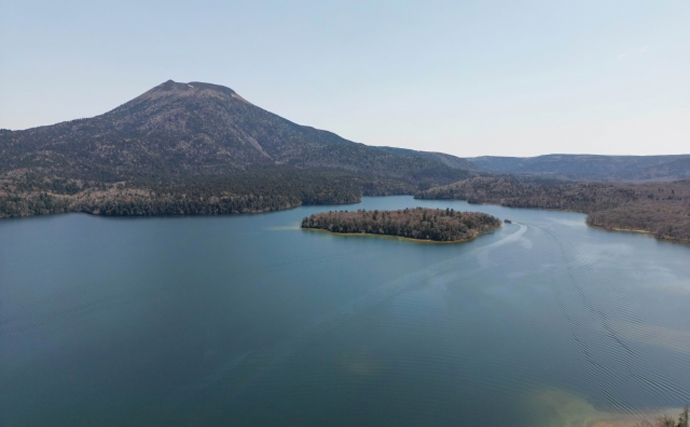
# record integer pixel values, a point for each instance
(515, 78)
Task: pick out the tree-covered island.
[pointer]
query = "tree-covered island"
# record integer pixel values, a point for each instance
(418, 223)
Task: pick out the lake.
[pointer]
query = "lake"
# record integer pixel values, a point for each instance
(250, 321)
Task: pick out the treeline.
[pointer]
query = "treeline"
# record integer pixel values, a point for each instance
(242, 193)
(419, 223)
(18, 204)
(257, 191)
(662, 209)
(666, 220)
(587, 197)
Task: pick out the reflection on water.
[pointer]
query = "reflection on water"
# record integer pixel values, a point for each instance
(560, 408)
(248, 320)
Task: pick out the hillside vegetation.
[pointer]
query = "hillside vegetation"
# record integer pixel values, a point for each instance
(586, 167)
(662, 209)
(190, 129)
(259, 191)
(419, 223)
(198, 148)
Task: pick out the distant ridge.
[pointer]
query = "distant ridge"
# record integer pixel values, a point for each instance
(446, 159)
(591, 167)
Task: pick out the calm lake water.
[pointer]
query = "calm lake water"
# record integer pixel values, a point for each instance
(250, 321)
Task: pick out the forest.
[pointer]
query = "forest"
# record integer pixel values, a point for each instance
(256, 191)
(660, 208)
(418, 223)
(198, 148)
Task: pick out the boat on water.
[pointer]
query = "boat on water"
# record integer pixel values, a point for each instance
(507, 221)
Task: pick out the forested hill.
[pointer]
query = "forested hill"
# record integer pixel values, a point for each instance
(446, 159)
(248, 192)
(139, 157)
(579, 167)
(419, 223)
(661, 208)
(188, 129)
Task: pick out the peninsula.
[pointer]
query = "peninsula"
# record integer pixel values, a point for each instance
(419, 223)
(659, 208)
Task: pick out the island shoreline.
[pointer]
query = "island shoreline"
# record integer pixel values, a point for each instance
(408, 239)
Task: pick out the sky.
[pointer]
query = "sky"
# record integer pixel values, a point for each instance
(469, 78)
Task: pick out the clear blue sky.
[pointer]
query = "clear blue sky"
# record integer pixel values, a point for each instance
(464, 77)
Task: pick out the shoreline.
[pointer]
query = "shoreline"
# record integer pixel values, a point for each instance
(640, 231)
(600, 227)
(408, 239)
(270, 210)
(631, 230)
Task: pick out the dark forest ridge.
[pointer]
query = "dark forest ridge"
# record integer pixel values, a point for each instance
(591, 167)
(419, 223)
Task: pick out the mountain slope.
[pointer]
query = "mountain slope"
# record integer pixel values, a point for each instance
(196, 148)
(446, 159)
(187, 129)
(591, 167)
(670, 170)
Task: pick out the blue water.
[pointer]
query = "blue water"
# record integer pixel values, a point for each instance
(248, 320)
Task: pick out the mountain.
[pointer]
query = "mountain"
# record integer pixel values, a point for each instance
(189, 129)
(591, 167)
(199, 148)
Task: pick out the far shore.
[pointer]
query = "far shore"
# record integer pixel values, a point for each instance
(600, 227)
(637, 230)
(631, 230)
